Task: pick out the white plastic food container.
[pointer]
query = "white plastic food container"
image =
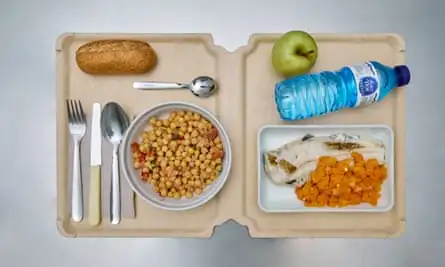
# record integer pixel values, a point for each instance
(282, 198)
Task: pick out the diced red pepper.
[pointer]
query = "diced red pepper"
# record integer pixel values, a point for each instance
(135, 147)
(142, 157)
(218, 154)
(212, 134)
(145, 174)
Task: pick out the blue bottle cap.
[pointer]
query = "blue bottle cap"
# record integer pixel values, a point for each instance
(403, 75)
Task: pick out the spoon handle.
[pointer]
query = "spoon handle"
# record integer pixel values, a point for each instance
(159, 85)
(115, 190)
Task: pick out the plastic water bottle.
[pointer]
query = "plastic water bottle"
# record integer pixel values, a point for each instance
(310, 95)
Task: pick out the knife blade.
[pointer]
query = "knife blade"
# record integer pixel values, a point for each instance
(95, 210)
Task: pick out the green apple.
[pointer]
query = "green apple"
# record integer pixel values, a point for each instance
(294, 53)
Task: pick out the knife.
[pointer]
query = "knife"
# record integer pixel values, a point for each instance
(95, 210)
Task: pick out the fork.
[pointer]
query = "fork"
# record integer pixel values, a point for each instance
(77, 127)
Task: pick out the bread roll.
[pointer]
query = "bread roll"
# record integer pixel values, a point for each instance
(116, 57)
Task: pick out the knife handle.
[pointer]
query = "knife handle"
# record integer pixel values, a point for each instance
(95, 210)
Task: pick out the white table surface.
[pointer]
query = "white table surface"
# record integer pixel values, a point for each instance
(28, 235)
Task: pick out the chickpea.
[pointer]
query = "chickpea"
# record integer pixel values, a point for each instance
(198, 191)
(157, 189)
(168, 184)
(195, 171)
(154, 145)
(164, 149)
(218, 168)
(196, 116)
(177, 162)
(153, 137)
(158, 123)
(155, 170)
(163, 192)
(163, 164)
(188, 194)
(165, 123)
(181, 119)
(202, 166)
(218, 161)
(194, 141)
(183, 164)
(165, 142)
(155, 176)
(197, 163)
(182, 192)
(194, 133)
(177, 182)
(209, 170)
(153, 182)
(208, 181)
(204, 150)
(187, 136)
(136, 165)
(172, 125)
(191, 183)
(184, 180)
(177, 195)
(219, 145)
(161, 185)
(170, 194)
(187, 142)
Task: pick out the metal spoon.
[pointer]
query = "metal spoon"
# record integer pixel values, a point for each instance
(114, 123)
(202, 86)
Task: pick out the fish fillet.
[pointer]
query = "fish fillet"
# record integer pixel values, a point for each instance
(293, 162)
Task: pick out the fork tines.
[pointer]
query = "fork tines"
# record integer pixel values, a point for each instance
(75, 111)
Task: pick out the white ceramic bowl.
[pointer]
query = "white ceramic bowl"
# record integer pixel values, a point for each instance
(143, 189)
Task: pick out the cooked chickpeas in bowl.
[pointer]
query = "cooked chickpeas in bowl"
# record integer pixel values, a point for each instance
(177, 156)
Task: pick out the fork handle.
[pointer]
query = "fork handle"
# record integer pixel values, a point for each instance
(76, 194)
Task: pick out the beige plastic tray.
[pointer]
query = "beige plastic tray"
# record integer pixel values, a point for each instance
(243, 104)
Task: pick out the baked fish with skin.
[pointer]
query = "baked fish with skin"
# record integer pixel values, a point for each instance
(293, 162)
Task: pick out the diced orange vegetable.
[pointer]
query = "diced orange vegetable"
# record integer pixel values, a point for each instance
(341, 183)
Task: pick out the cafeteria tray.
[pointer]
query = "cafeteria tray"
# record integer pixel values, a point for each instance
(243, 104)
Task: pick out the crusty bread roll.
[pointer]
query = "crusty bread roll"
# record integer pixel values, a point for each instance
(116, 57)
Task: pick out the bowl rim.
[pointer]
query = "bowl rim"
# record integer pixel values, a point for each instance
(125, 142)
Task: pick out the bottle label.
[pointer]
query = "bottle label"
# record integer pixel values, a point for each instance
(368, 84)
